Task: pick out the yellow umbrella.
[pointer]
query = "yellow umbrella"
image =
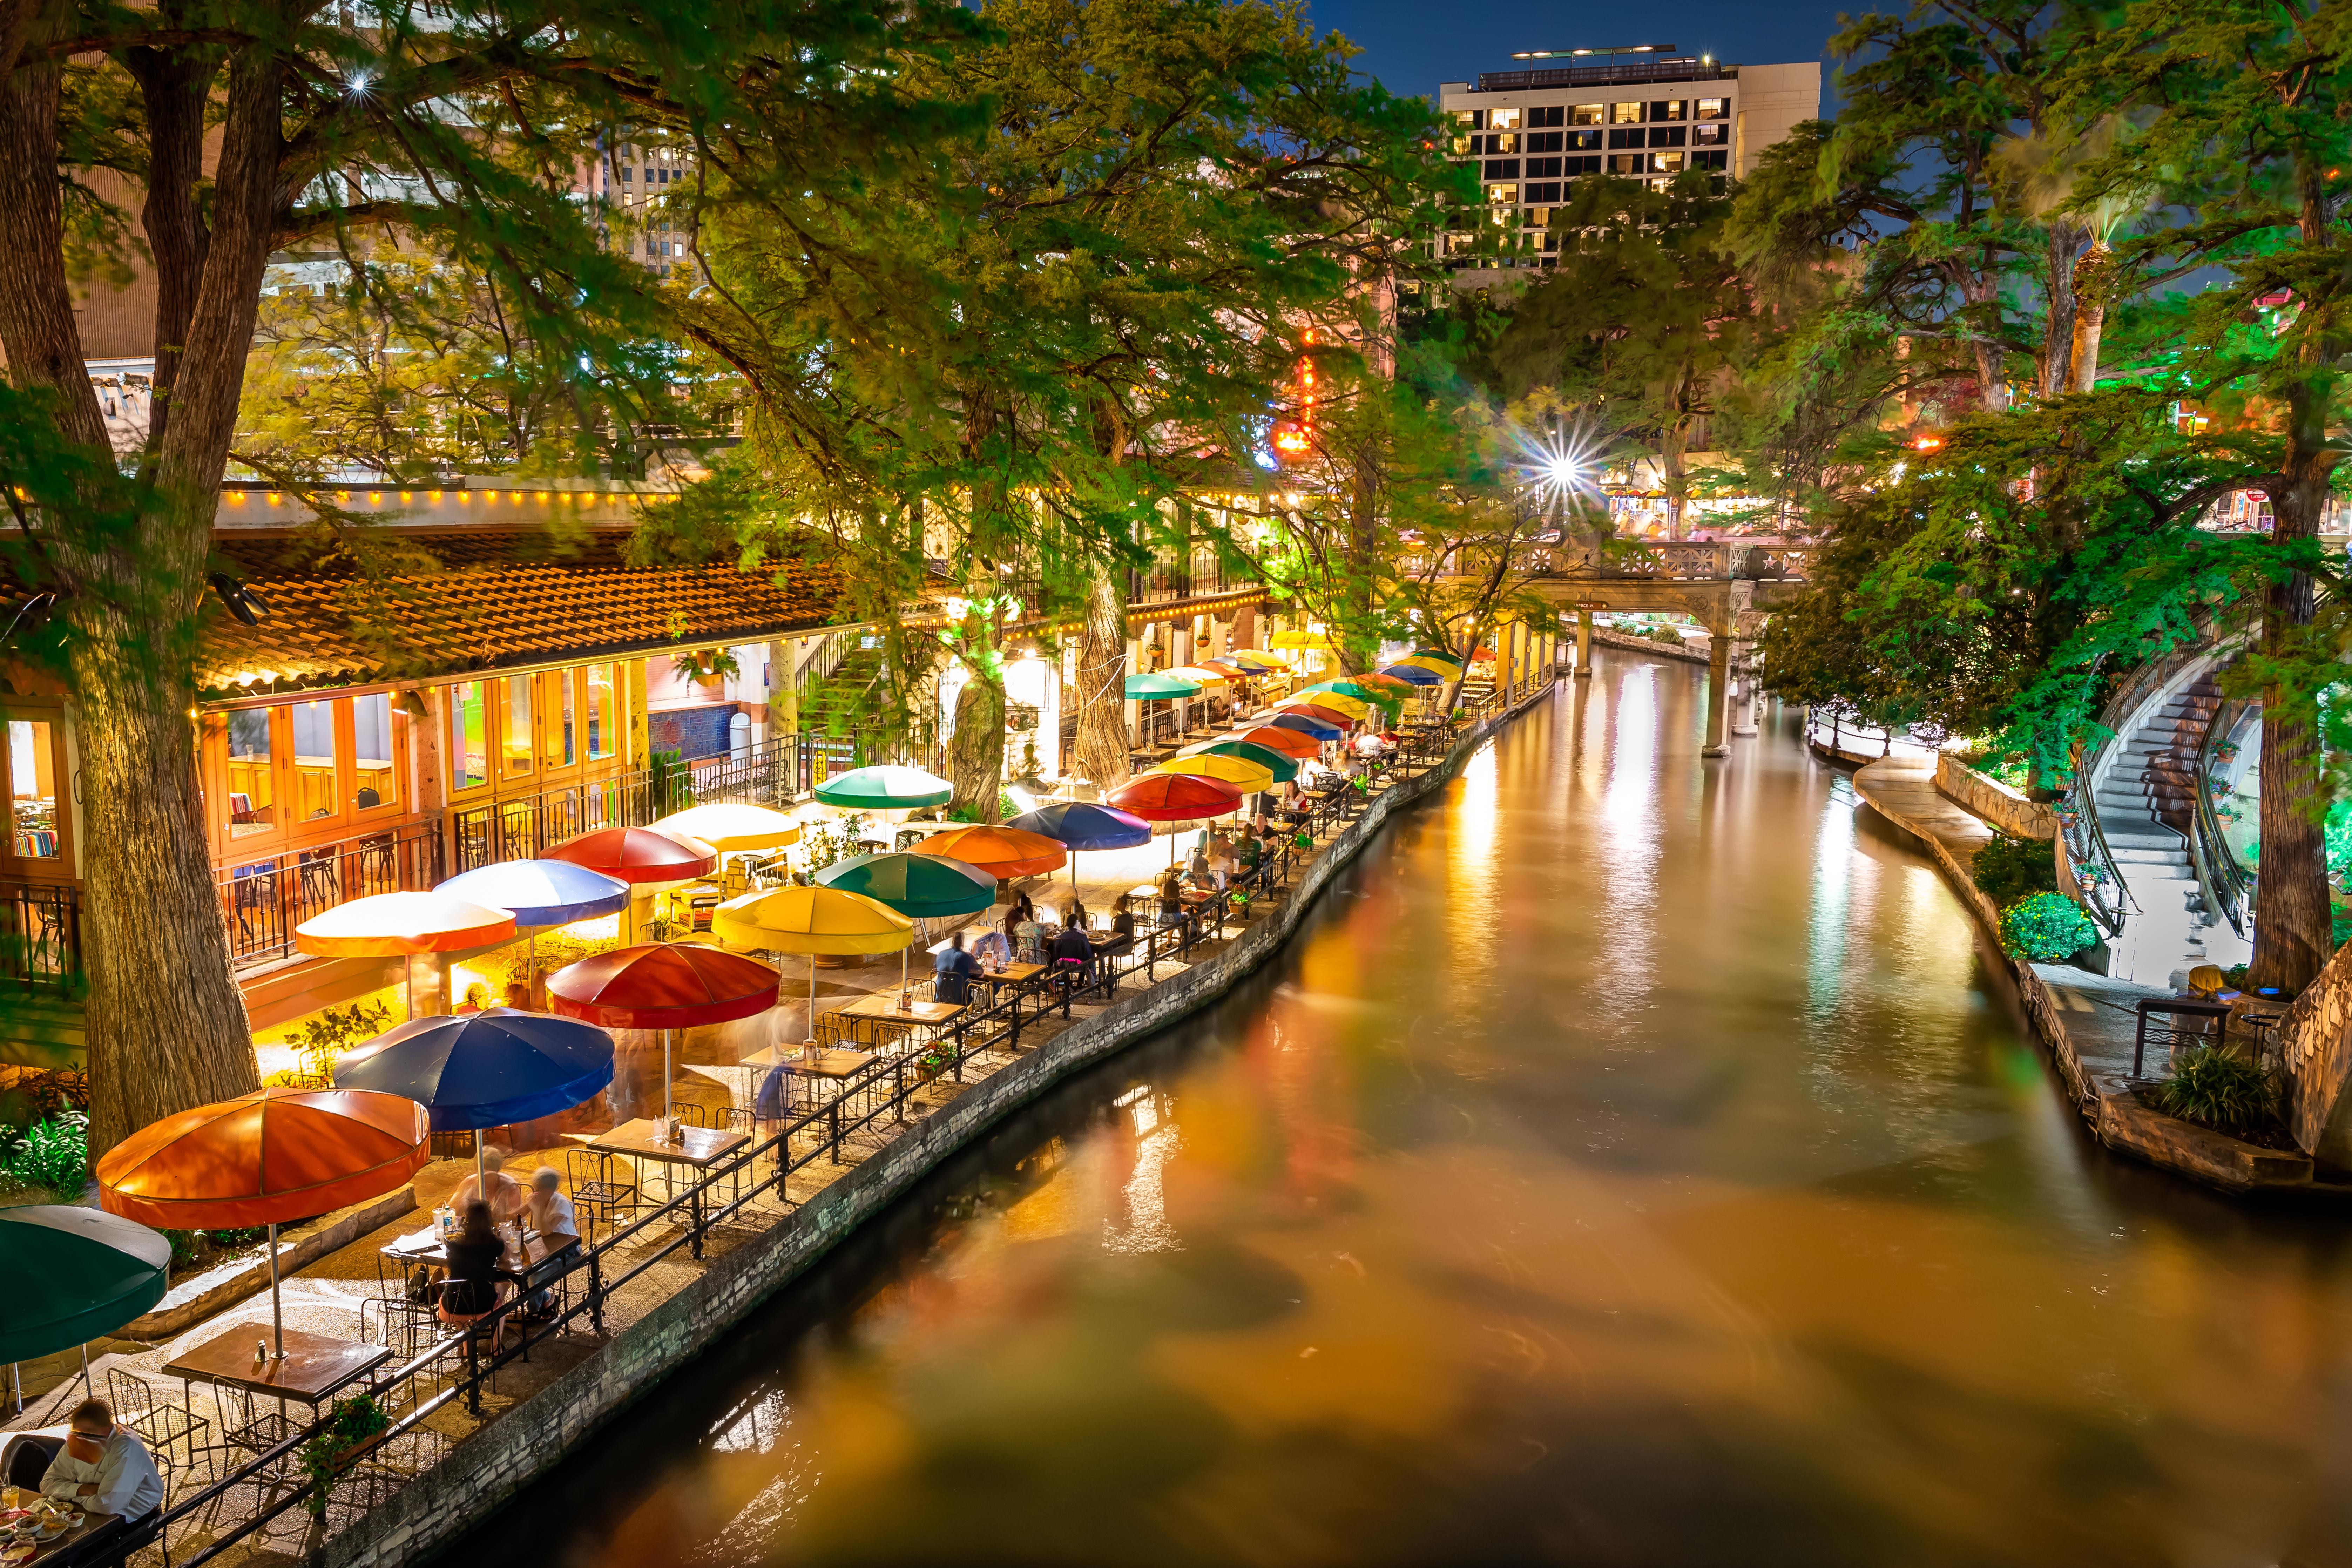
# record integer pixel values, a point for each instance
(726, 827)
(1302, 640)
(1451, 672)
(1247, 776)
(1353, 707)
(815, 921)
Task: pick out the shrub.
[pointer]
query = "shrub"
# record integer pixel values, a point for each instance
(2008, 869)
(2045, 928)
(347, 1428)
(2216, 1090)
(54, 1153)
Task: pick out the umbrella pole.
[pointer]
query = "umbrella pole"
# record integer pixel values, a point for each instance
(668, 1105)
(86, 1387)
(277, 1312)
(812, 1022)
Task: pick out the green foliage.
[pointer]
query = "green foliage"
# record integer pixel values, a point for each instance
(2007, 870)
(347, 1428)
(334, 1032)
(828, 842)
(53, 1152)
(669, 783)
(2214, 1089)
(2045, 928)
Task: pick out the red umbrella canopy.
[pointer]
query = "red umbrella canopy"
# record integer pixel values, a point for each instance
(265, 1158)
(1313, 711)
(1174, 797)
(662, 986)
(1289, 743)
(638, 855)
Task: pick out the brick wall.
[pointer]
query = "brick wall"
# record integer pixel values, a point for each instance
(480, 1474)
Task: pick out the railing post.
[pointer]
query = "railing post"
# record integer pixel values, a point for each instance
(833, 1116)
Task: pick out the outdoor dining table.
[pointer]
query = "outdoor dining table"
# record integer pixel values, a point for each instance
(313, 1367)
(427, 1247)
(54, 1550)
(696, 1148)
(883, 1007)
(835, 1064)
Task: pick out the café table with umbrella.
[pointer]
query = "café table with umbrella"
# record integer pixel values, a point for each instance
(733, 827)
(648, 859)
(74, 1273)
(818, 922)
(1175, 797)
(1322, 714)
(665, 986)
(1313, 726)
(540, 894)
(400, 925)
(885, 787)
(1079, 826)
(266, 1158)
(1291, 743)
(1282, 765)
(920, 886)
(1245, 774)
(490, 1068)
(1419, 677)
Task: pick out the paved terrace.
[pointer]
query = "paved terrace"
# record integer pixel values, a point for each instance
(235, 1504)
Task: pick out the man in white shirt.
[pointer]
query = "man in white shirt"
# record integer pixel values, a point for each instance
(501, 1192)
(104, 1467)
(548, 1215)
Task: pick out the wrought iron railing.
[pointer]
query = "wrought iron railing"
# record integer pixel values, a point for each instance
(2227, 886)
(263, 899)
(40, 933)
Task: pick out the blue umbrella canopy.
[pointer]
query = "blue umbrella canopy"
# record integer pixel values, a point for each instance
(1077, 824)
(487, 1069)
(1305, 726)
(540, 892)
(73, 1275)
(1414, 675)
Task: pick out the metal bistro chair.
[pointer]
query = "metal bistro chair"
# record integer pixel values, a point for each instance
(170, 1430)
(2172, 1034)
(598, 1186)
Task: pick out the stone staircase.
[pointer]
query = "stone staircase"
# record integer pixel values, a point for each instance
(2143, 800)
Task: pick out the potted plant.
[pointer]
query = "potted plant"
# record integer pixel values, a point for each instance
(351, 1429)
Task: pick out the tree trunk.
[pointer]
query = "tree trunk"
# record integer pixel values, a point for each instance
(2059, 327)
(2293, 927)
(1103, 747)
(976, 755)
(2092, 275)
(1354, 636)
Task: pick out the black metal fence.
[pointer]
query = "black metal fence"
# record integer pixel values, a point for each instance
(40, 933)
(264, 900)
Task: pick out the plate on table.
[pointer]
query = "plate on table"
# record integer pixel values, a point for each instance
(17, 1551)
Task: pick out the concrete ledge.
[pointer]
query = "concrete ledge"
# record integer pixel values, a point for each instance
(1993, 800)
(192, 1300)
(1642, 645)
(2214, 1158)
(480, 1474)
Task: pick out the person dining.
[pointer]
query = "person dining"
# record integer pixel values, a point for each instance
(1072, 951)
(1016, 912)
(953, 971)
(501, 1192)
(1029, 936)
(1171, 897)
(477, 1253)
(104, 1467)
(1075, 914)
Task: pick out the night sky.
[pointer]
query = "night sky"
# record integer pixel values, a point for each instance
(1413, 45)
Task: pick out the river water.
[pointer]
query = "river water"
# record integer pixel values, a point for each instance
(1633, 1162)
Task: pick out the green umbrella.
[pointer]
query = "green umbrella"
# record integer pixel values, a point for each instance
(1146, 687)
(884, 787)
(1284, 769)
(1387, 702)
(920, 886)
(78, 1273)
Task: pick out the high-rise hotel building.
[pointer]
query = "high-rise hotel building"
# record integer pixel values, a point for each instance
(1640, 112)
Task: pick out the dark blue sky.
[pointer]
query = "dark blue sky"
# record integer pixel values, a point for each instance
(1413, 45)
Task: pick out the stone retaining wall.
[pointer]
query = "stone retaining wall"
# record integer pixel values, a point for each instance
(1643, 645)
(1993, 800)
(2315, 1048)
(479, 1475)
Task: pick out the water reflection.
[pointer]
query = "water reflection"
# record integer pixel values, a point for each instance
(1630, 1166)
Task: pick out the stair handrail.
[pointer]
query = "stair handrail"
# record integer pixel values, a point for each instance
(2086, 840)
(2223, 882)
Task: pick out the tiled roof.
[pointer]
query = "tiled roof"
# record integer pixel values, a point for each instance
(446, 603)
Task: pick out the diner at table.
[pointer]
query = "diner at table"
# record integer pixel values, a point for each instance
(953, 971)
(493, 1185)
(103, 1466)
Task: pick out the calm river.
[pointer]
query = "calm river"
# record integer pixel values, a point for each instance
(1631, 1163)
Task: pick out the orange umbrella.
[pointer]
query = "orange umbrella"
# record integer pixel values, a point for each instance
(644, 857)
(394, 925)
(1001, 852)
(264, 1158)
(1321, 714)
(1289, 743)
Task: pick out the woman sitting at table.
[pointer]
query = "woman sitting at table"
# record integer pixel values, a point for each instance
(1029, 936)
(1171, 897)
(1122, 927)
(475, 1253)
(1076, 915)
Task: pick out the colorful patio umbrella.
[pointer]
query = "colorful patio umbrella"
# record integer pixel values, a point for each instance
(1384, 683)
(832, 922)
(1175, 797)
(1281, 764)
(540, 892)
(1001, 851)
(1254, 661)
(1306, 725)
(1197, 674)
(886, 786)
(1321, 713)
(664, 986)
(484, 1069)
(1223, 666)
(921, 886)
(727, 826)
(1289, 743)
(1081, 825)
(1444, 669)
(1152, 688)
(1355, 708)
(394, 925)
(1243, 774)
(1302, 640)
(265, 1158)
(74, 1273)
(1347, 688)
(1439, 653)
(647, 859)
(1414, 675)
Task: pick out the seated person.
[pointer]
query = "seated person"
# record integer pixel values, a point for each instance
(501, 1192)
(548, 1214)
(1071, 948)
(952, 972)
(476, 1252)
(1250, 853)
(1076, 915)
(991, 950)
(1171, 898)
(1122, 927)
(104, 1467)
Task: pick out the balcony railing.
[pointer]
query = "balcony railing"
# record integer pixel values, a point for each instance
(40, 934)
(264, 900)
